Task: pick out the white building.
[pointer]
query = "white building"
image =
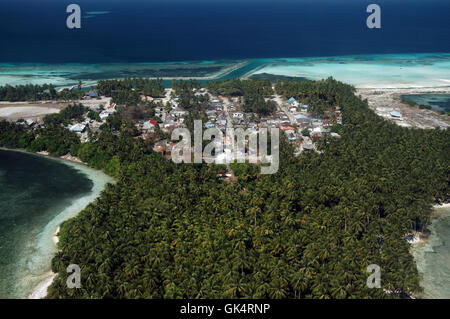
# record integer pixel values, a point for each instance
(104, 115)
(238, 115)
(78, 128)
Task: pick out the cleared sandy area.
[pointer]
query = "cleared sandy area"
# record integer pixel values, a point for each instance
(27, 111)
(94, 103)
(383, 101)
(13, 111)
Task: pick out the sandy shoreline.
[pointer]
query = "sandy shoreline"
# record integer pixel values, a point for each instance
(50, 232)
(41, 290)
(422, 243)
(384, 100)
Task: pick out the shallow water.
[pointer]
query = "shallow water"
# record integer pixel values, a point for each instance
(37, 194)
(374, 71)
(71, 73)
(438, 102)
(433, 257)
(370, 71)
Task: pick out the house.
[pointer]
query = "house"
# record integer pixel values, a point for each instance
(78, 128)
(178, 112)
(29, 122)
(302, 118)
(238, 115)
(93, 95)
(211, 114)
(111, 108)
(304, 107)
(149, 126)
(104, 115)
(160, 147)
(293, 102)
(290, 135)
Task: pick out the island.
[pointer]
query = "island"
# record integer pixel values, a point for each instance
(351, 188)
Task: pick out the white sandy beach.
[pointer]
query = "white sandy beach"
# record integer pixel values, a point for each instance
(41, 290)
(48, 240)
(383, 101)
(38, 276)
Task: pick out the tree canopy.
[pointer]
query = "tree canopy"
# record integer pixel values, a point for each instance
(310, 231)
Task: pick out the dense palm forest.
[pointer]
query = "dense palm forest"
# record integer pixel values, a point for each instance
(127, 91)
(309, 231)
(319, 99)
(253, 93)
(43, 92)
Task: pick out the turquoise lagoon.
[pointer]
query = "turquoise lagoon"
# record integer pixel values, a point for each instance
(370, 71)
(377, 71)
(70, 74)
(438, 102)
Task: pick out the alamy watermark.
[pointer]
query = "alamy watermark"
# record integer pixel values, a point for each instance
(74, 279)
(374, 280)
(229, 147)
(373, 20)
(73, 21)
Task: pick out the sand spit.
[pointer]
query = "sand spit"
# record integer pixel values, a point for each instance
(385, 100)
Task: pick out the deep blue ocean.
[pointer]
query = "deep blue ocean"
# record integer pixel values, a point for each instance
(185, 30)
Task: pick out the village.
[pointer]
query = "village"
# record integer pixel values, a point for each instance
(301, 128)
